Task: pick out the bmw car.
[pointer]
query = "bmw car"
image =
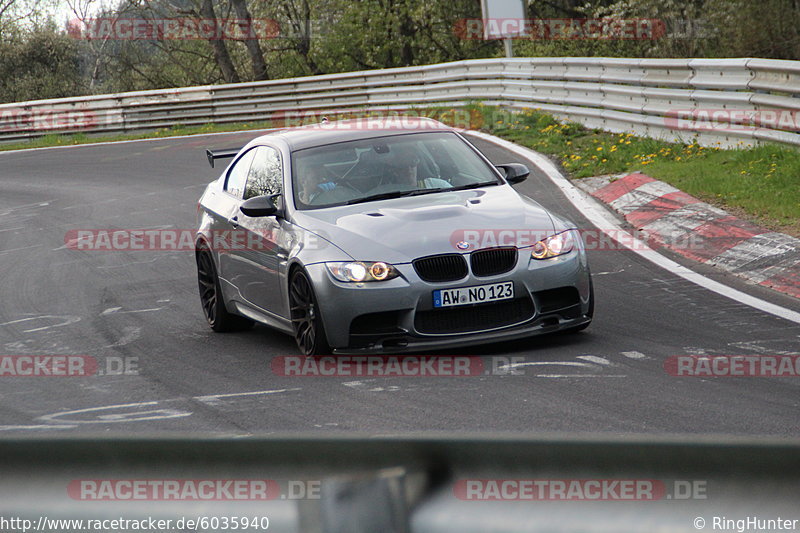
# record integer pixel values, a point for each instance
(362, 236)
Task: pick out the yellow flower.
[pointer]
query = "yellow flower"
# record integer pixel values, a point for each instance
(599, 148)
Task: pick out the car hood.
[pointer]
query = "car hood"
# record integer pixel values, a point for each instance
(402, 229)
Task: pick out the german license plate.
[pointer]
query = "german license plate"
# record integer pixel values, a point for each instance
(473, 295)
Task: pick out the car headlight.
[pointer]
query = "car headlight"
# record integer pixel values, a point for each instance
(558, 244)
(358, 271)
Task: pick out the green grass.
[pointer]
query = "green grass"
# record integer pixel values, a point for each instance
(761, 183)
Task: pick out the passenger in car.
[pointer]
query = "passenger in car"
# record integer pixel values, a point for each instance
(404, 164)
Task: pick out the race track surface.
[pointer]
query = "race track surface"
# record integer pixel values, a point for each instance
(143, 307)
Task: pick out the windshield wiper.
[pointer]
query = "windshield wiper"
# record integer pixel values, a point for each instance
(392, 194)
(417, 192)
(471, 186)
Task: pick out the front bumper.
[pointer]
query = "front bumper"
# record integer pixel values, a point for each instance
(395, 308)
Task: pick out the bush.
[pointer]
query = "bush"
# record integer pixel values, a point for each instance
(40, 64)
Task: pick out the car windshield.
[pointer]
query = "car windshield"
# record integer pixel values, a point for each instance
(386, 167)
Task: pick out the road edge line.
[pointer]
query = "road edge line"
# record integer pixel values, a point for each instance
(598, 215)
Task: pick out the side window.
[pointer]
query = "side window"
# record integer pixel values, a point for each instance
(266, 173)
(238, 174)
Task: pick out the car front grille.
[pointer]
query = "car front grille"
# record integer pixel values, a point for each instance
(493, 261)
(474, 317)
(440, 268)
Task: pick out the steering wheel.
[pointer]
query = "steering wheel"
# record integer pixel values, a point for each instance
(346, 185)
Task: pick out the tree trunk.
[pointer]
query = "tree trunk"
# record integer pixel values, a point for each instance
(252, 44)
(304, 44)
(221, 55)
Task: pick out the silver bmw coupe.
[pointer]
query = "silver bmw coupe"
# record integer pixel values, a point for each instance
(369, 236)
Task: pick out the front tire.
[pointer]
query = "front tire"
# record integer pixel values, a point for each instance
(309, 333)
(217, 316)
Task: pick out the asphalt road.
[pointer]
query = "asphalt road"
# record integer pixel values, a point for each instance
(142, 307)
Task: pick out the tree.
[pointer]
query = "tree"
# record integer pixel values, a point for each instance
(42, 63)
(221, 54)
(251, 42)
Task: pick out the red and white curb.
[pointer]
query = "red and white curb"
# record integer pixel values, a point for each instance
(672, 219)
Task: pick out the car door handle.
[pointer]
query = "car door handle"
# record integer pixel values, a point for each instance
(234, 222)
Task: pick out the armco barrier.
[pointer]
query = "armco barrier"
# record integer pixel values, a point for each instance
(648, 97)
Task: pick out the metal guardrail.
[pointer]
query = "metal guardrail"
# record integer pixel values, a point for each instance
(357, 484)
(725, 101)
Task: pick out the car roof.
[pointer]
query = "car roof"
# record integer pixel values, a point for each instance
(330, 132)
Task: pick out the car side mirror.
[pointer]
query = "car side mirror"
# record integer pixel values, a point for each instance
(514, 172)
(260, 206)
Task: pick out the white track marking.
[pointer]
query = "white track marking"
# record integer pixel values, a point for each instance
(215, 397)
(580, 376)
(693, 350)
(545, 363)
(755, 346)
(145, 411)
(67, 320)
(620, 271)
(117, 417)
(594, 359)
(40, 426)
(598, 215)
(16, 207)
(116, 311)
(635, 355)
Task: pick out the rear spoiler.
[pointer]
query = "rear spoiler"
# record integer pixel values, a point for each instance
(220, 154)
